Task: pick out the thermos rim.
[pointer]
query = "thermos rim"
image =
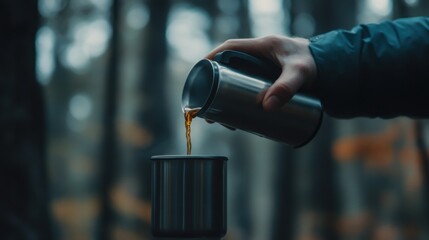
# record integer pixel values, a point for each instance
(213, 89)
(181, 157)
(214, 84)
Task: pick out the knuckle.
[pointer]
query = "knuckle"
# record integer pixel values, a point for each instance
(302, 67)
(274, 45)
(230, 42)
(284, 89)
(273, 40)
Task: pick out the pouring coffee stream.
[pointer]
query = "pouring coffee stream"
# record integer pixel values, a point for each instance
(189, 114)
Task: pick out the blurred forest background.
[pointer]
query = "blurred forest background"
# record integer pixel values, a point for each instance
(90, 89)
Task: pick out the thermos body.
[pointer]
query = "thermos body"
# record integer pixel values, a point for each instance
(233, 97)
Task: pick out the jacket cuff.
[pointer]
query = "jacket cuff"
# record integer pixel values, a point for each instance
(337, 82)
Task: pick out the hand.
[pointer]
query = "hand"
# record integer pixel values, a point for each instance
(291, 54)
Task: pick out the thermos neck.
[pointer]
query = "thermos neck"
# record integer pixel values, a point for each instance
(201, 84)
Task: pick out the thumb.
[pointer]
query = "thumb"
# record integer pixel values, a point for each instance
(282, 90)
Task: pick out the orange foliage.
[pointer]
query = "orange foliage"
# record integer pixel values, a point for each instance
(376, 149)
(135, 135)
(125, 203)
(76, 216)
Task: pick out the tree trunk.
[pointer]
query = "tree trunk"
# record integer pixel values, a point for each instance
(23, 175)
(109, 143)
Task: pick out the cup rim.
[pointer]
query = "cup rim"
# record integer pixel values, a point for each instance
(192, 157)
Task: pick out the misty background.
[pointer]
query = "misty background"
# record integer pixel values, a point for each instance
(91, 89)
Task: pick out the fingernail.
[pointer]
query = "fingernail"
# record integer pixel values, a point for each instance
(273, 103)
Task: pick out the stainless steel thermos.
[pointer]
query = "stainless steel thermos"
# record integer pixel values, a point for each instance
(229, 90)
(189, 196)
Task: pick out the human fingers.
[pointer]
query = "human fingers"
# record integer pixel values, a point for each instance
(252, 46)
(288, 83)
(298, 70)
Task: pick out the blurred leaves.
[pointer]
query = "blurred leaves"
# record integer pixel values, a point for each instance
(132, 134)
(130, 205)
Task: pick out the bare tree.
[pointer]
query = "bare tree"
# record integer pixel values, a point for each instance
(23, 175)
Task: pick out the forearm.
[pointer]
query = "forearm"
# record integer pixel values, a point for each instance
(375, 70)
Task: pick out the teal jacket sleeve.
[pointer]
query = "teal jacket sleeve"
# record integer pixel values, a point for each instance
(374, 70)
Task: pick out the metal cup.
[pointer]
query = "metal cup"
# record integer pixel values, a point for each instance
(189, 196)
(230, 89)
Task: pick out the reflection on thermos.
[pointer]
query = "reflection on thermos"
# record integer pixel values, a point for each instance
(229, 90)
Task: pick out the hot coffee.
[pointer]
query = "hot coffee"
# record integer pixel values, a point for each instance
(189, 113)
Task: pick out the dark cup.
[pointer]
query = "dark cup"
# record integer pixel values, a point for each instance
(189, 196)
